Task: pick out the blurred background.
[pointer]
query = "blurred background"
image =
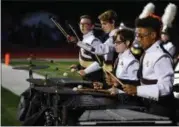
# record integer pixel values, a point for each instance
(26, 27)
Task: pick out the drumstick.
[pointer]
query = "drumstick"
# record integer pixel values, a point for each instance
(106, 71)
(114, 77)
(74, 32)
(97, 57)
(59, 27)
(79, 40)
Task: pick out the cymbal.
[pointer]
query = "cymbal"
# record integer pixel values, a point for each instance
(33, 67)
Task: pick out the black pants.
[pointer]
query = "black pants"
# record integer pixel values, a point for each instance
(166, 106)
(162, 111)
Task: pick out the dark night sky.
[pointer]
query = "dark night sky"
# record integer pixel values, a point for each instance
(71, 10)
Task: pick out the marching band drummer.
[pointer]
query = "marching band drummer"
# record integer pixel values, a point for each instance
(155, 72)
(126, 65)
(86, 58)
(108, 22)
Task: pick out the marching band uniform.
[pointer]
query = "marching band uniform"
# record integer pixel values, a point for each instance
(127, 67)
(86, 58)
(156, 72)
(154, 65)
(107, 46)
(109, 57)
(126, 71)
(108, 54)
(156, 75)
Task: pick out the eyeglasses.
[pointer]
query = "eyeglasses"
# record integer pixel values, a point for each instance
(119, 42)
(139, 35)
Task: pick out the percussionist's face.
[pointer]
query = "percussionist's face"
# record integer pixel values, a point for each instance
(120, 45)
(107, 26)
(145, 37)
(86, 25)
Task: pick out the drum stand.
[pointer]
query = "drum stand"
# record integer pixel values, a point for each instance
(48, 113)
(30, 62)
(55, 109)
(31, 77)
(30, 95)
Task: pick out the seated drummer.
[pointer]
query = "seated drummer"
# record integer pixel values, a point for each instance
(126, 65)
(86, 58)
(155, 72)
(105, 50)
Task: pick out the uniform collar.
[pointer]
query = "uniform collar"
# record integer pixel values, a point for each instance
(154, 46)
(125, 53)
(112, 32)
(88, 34)
(167, 42)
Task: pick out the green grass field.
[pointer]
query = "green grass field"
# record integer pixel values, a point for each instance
(9, 101)
(51, 71)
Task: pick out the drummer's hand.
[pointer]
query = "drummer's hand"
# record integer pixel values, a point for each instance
(130, 89)
(82, 72)
(114, 82)
(71, 39)
(73, 66)
(108, 79)
(97, 85)
(113, 91)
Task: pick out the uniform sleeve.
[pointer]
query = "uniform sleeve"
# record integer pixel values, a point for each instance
(165, 75)
(92, 68)
(96, 42)
(104, 48)
(129, 71)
